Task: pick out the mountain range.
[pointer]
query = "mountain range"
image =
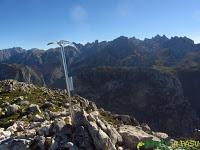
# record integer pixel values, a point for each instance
(156, 80)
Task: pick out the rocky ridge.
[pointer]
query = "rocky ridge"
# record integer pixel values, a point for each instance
(155, 80)
(35, 118)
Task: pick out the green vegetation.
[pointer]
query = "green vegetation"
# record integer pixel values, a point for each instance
(8, 121)
(109, 118)
(34, 96)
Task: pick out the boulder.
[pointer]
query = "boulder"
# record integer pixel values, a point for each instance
(92, 106)
(115, 137)
(30, 132)
(90, 117)
(43, 131)
(101, 125)
(18, 99)
(54, 144)
(8, 87)
(11, 109)
(70, 146)
(38, 118)
(133, 135)
(82, 138)
(53, 115)
(4, 134)
(161, 135)
(120, 148)
(47, 105)
(38, 143)
(146, 128)
(34, 125)
(24, 103)
(100, 138)
(33, 108)
(16, 127)
(126, 119)
(56, 126)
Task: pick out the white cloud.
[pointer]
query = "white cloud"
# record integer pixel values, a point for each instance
(78, 14)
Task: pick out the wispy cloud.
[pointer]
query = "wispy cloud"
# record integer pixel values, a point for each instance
(124, 8)
(196, 15)
(79, 14)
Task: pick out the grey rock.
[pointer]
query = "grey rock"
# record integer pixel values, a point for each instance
(120, 148)
(115, 137)
(47, 105)
(101, 125)
(34, 124)
(82, 138)
(4, 134)
(126, 119)
(24, 103)
(18, 99)
(8, 87)
(53, 115)
(38, 118)
(38, 143)
(17, 126)
(15, 144)
(90, 117)
(33, 108)
(93, 106)
(11, 109)
(146, 128)
(132, 135)
(161, 135)
(43, 131)
(70, 146)
(56, 126)
(54, 145)
(100, 138)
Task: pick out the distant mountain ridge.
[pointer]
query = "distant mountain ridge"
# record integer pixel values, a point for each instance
(120, 73)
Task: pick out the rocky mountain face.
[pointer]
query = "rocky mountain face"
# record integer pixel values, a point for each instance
(156, 80)
(143, 93)
(37, 118)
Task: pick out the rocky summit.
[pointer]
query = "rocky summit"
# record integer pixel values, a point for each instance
(37, 118)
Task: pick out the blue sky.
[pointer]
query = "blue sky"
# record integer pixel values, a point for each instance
(33, 23)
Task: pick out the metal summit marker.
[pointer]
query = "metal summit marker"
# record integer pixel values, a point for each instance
(68, 80)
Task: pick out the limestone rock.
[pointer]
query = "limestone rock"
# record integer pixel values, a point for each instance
(4, 134)
(132, 135)
(114, 135)
(100, 138)
(38, 118)
(160, 135)
(16, 127)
